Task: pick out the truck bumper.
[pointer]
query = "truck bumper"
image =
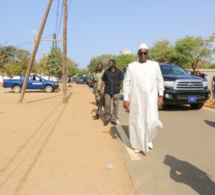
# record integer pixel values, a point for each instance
(186, 97)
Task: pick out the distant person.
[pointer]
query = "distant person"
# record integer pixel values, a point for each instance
(198, 73)
(143, 92)
(95, 91)
(97, 84)
(203, 77)
(111, 80)
(124, 70)
(213, 88)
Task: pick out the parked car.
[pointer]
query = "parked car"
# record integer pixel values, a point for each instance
(90, 82)
(71, 79)
(183, 88)
(34, 82)
(81, 80)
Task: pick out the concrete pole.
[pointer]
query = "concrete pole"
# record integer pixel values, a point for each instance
(31, 62)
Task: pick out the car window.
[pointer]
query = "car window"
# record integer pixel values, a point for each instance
(178, 71)
(172, 70)
(37, 78)
(166, 70)
(34, 78)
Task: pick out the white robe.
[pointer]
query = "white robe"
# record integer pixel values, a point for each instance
(142, 84)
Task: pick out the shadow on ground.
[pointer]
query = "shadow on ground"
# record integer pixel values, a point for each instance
(114, 132)
(184, 172)
(210, 123)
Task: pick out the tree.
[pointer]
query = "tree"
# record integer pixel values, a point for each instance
(162, 52)
(71, 68)
(191, 51)
(124, 59)
(212, 66)
(17, 68)
(54, 63)
(13, 58)
(104, 58)
(81, 72)
(41, 66)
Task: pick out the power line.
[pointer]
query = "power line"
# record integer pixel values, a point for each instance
(70, 1)
(23, 44)
(57, 33)
(60, 19)
(30, 41)
(57, 17)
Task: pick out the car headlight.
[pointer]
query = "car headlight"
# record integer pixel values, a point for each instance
(205, 84)
(169, 84)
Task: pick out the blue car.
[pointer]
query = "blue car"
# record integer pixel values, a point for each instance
(34, 82)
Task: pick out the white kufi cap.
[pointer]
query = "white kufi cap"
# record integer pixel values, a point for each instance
(143, 46)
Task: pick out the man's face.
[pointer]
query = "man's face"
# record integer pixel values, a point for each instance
(197, 73)
(110, 64)
(143, 55)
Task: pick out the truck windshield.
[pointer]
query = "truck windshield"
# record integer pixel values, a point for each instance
(172, 70)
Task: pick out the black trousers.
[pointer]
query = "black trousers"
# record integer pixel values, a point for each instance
(100, 104)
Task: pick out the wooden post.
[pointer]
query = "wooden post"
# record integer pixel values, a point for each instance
(31, 62)
(64, 78)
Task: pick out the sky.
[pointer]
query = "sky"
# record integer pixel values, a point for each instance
(97, 27)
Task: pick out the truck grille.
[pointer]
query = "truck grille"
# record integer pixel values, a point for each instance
(189, 85)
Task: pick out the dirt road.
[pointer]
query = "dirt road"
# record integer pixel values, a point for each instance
(47, 147)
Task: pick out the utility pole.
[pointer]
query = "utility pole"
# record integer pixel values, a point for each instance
(54, 44)
(34, 36)
(31, 62)
(64, 51)
(54, 39)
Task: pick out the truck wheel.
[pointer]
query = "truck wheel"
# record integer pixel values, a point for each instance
(49, 89)
(17, 89)
(197, 106)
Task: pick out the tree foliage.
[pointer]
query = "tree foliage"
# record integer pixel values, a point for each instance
(162, 52)
(104, 58)
(16, 68)
(124, 59)
(71, 68)
(121, 61)
(212, 66)
(193, 50)
(54, 63)
(82, 71)
(41, 66)
(188, 52)
(13, 60)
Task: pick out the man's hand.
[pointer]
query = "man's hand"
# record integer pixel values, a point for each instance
(126, 104)
(160, 101)
(101, 93)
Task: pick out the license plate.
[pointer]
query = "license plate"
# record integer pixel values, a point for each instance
(191, 99)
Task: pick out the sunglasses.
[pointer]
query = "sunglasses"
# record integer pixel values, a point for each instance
(141, 53)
